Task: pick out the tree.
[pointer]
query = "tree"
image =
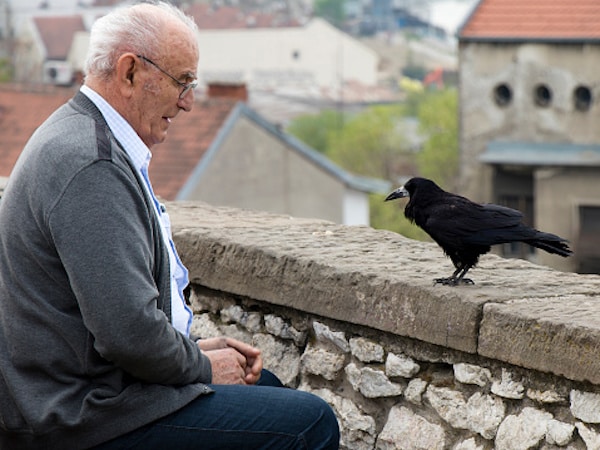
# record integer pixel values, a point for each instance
(372, 143)
(314, 130)
(437, 112)
(438, 118)
(390, 216)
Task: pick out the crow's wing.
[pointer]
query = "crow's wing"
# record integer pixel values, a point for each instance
(457, 221)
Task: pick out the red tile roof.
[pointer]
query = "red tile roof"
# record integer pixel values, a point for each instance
(57, 34)
(189, 137)
(173, 161)
(555, 20)
(21, 112)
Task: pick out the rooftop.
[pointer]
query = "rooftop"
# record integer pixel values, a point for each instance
(538, 20)
(541, 154)
(57, 33)
(190, 136)
(23, 109)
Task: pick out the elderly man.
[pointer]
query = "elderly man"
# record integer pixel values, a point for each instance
(95, 348)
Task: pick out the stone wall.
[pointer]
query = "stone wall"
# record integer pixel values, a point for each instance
(351, 314)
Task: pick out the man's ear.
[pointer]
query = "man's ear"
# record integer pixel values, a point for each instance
(127, 69)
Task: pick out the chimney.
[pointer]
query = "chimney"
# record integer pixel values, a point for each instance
(235, 91)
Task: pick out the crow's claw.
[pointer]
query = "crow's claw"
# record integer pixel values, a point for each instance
(452, 281)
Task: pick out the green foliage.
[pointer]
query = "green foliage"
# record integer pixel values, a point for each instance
(390, 216)
(6, 72)
(314, 130)
(372, 143)
(438, 118)
(331, 10)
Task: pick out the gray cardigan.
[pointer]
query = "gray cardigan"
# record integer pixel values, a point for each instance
(87, 351)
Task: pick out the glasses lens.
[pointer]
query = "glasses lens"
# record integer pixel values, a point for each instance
(187, 88)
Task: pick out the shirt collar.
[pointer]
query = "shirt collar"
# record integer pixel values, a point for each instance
(139, 153)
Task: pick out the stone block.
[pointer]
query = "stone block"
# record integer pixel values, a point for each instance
(560, 335)
(407, 430)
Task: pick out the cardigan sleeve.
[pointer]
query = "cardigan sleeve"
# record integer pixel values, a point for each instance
(103, 232)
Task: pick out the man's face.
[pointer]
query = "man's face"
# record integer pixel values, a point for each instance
(157, 98)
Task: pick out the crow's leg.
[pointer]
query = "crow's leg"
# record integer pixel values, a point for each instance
(461, 278)
(456, 278)
(450, 281)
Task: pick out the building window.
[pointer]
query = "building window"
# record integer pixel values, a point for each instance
(502, 94)
(542, 95)
(587, 249)
(582, 98)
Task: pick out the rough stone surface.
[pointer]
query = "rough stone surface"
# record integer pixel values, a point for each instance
(484, 414)
(558, 333)
(414, 391)
(203, 326)
(472, 374)
(249, 320)
(324, 334)
(357, 429)
(559, 433)
(589, 436)
(523, 431)
(319, 361)
(372, 383)
(339, 272)
(280, 357)
(278, 327)
(508, 363)
(401, 366)
(366, 350)
(585, 406)
(469, 444)
(547, 396)
(449, 404)
(405, 430)
(532, 316)
(508, 387)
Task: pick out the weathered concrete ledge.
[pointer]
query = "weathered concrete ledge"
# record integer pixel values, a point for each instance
(517, 312)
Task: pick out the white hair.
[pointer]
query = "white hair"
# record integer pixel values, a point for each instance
(137, 29)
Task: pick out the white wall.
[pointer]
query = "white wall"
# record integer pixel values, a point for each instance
(315, 55)
(356, 208)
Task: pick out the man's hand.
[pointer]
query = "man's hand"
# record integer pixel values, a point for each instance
(232, 361)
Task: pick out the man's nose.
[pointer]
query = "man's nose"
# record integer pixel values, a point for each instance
(187, 101)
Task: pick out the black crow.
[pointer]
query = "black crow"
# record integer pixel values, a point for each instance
(466, 230)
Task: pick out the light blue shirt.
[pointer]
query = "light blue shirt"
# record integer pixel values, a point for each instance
(140, 154)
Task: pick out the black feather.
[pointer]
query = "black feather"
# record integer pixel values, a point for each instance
(466, 230)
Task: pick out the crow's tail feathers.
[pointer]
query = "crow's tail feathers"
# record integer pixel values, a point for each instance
(551, 243)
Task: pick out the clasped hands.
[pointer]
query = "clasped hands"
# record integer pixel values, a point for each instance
(232, 361)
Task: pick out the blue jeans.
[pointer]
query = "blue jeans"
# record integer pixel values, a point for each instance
(236, 417)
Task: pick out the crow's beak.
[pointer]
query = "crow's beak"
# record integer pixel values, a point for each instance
(398, 193)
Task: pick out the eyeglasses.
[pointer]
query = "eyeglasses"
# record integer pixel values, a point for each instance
(186, 87)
